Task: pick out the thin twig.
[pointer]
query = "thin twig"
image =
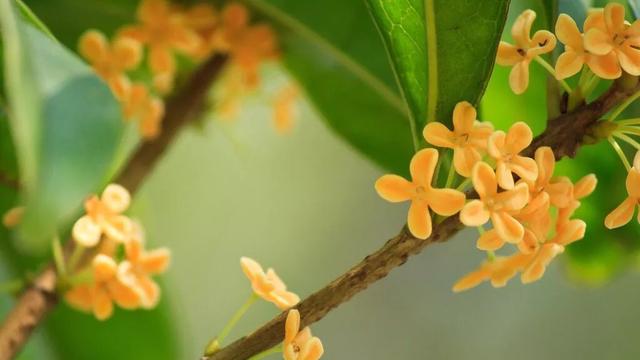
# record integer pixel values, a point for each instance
(40, 297)
(564, 135)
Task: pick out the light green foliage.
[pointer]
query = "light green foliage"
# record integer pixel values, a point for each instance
(64, 150)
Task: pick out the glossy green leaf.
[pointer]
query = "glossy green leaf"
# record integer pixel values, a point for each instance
(448, 60)
(65, 123)
(328, 47)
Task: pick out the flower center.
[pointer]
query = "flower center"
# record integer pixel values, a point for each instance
(462, 139)
(421, 192)
(522, 52)
(619, 39)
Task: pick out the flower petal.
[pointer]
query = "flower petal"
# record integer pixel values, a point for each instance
(598, 42)
(464, 116)
(539, 264)
(585, 186)
(484, 180)
(633, 183)
(614, 17)
(525, 167)
(291, 326)
(473, 279)
(437, 134)
(474, 213)
(621, 215)
(422, 166)
(464, 159)
(605, 66)
(116, 198)
(312, 350)
(104, 268)
(508, 228)
(93, 46)
(419, 219)
(519, 77)
(629, 58)
(568, 33)
(543, 42)
(508, 54)
(568, 64)
(546, 162)
(522, 27)
(495, 144)
(504, 176)
(514, 199)
(394, 188)
(86, 232)
(102, 304)
(489, 241)
(155, 261)
(518, 137)
(446, 202)
(251, 268)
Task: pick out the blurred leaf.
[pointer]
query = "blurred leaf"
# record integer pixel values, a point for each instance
(466, 36)
(333, 50)
(65, 122)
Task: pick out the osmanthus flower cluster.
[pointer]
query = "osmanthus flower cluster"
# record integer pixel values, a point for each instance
(110, 264)
(608, 46)
(165, 31)
(298, 344)
(527, 206)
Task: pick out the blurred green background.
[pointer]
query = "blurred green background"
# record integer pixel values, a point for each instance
(304, 204)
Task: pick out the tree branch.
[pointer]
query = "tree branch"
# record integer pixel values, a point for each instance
(564, 134)
(41, 296)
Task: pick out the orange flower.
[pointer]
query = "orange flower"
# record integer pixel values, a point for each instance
(621, 215)
(284, 108)
(499, 207)
(203, 19)
(140, 265)
(558, 192)
(609, 33)
(255, 45)
(106, 288)
(568, 233)
(499, 271)
(146, 108)
(268, 285)
(423, 196)
(505, 149)
(233, 23)
(300, 345)
(525, 49)
(468, 138)
(575, 55)
(164, 29)
(583, 188)
(111, 61)
(103, 217)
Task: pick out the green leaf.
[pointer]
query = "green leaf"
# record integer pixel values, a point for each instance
(334, 52)
(448, 59)
(65, 123)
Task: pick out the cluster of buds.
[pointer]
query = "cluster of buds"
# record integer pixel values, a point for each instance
(608, 46)
(165, 30)
(518, 194)
(103, 274)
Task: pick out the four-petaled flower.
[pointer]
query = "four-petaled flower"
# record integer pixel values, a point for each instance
(571, 61)
(111, 61)
(103, 217)
(609, 33)
(505, 149)
(300, 345)
(268, 285)
(422, 194)
(499, 207)
(525, 49)
(621, 215)
(468, 138)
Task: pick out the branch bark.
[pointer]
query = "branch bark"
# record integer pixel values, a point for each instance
(41, 296)
(564, 135)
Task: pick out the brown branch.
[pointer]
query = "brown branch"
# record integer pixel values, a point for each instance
(564, 134)
(40, 297)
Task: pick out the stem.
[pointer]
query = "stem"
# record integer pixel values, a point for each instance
(628, 140)
(76, 255)
(236, 317)
(618, 150)
(463, 185)
(628, 130)
(450, 176)
(264, 354)
(624, 105)
(632, 121)
(58, 257)
(551, 71)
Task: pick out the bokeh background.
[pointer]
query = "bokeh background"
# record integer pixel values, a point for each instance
(304, 204)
